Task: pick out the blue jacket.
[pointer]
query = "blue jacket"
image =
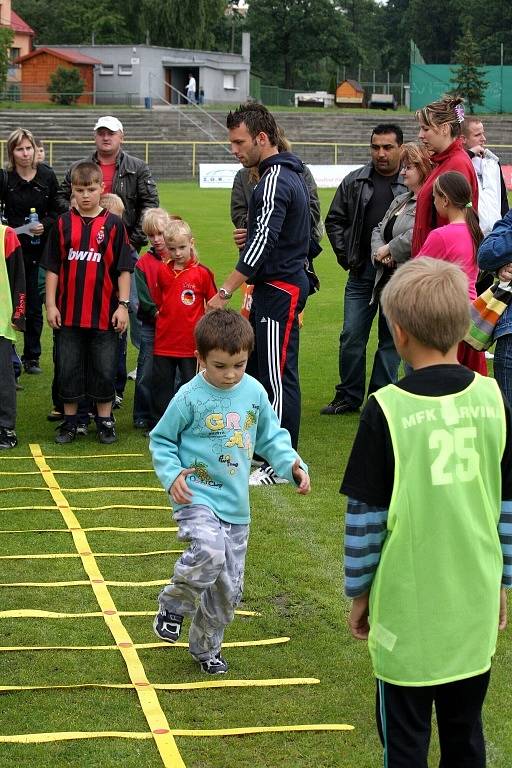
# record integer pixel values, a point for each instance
(278, 223)
(495, 251)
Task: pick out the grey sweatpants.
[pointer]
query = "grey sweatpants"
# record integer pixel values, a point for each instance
(208, 577)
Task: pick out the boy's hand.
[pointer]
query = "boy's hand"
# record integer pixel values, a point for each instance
(179, 490)
(301, 478)
(120, 319)
(505, 273)
(358, 618)
(53, 317)
(503, 610)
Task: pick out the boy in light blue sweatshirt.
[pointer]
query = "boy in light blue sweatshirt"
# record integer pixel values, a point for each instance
(202, 448)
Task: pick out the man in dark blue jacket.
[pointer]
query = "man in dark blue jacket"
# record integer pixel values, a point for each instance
(273, 259)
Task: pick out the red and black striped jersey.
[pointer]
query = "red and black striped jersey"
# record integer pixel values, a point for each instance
(87, 254)
(16, 275)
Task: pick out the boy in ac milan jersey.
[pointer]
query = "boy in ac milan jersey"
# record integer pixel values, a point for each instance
(88, 263)
(184, 286)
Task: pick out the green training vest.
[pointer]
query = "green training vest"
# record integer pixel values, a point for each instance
(6, 329)
(434, 601)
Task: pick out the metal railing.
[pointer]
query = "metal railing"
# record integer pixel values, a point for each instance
(181, 159)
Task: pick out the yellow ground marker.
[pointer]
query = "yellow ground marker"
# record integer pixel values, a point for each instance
(195, 686)
(85, 472)
(139, 646)
(33, 613)
(41, 738)
(74, 457)
(148, 698)
(87, 553)
(100, 528)
(84, 509)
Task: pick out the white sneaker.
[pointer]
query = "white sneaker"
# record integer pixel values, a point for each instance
(132, 375)
(265, 475)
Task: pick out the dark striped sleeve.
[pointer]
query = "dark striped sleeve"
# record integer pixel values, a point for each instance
(505, 532)
(365, 533)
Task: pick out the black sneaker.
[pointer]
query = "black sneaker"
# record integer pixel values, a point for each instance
(167, 626)
(81, 429)
(32, 366)
(55, 415)
(66, 432)
(8, 438)
(106, 431)
(338, 407)
(216, 665)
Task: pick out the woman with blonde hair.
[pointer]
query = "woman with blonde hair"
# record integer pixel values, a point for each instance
(391, 239)
(440, 132)
(29, 186)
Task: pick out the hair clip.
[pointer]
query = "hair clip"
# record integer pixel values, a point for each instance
(459, 113)
(469, 205)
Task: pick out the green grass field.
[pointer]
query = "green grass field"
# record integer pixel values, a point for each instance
(293, 581)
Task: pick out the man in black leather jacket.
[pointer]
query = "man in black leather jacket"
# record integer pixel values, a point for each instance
(123, 174)
(358, 206)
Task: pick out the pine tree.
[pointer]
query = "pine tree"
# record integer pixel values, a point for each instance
(468, 77)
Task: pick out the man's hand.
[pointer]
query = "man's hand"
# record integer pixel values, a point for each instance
(120, 319)
(358, 618)
(216, 302)
(301, 478)
(503, 610)
(179, 490)
(53, 317)
(240, 237)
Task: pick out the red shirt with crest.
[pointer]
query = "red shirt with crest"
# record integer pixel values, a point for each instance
(184, 294)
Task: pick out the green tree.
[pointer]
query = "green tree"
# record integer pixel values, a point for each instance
(6, 38)
(182, 23)
(468, 77)
(434, 25)
(291, 41)
(63, 21)
(66, 86)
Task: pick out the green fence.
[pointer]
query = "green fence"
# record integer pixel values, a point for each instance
(429, 81)
(273, 96)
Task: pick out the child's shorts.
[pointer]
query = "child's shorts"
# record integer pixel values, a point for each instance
(87, 363)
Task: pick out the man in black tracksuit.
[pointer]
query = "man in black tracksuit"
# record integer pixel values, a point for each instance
(273, 259)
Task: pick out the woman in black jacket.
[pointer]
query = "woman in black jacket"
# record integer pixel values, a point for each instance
(28, 185)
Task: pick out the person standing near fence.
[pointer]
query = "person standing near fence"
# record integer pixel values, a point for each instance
(273, 259)
(28, 186)
(130, 179)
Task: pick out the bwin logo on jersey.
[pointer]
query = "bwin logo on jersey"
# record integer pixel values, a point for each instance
(83, 255)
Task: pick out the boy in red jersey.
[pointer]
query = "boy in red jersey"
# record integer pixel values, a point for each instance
(154, 223)
(184, 287)
(88, 263)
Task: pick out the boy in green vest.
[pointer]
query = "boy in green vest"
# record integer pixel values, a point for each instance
(428, 533)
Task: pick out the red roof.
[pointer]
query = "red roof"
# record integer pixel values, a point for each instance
(68, 54)
(18, 25)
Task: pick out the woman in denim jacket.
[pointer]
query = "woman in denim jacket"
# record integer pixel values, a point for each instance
(495, 255)
(391, 239)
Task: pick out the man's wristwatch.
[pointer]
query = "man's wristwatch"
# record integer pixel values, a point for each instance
(225, 295)
(125, 304)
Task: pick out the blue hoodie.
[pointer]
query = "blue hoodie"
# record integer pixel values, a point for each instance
(278, 223)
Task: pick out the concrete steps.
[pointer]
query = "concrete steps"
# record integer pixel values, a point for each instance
(176, 161)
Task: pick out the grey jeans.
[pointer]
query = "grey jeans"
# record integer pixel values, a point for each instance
(208, 577)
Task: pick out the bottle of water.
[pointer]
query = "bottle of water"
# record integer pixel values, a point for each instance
(34, 219)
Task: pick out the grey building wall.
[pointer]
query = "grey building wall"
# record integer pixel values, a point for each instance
(129, 74)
